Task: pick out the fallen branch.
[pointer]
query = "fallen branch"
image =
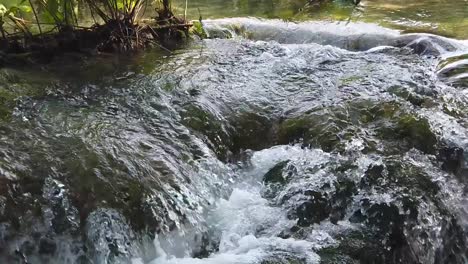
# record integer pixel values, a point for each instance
(178, 26)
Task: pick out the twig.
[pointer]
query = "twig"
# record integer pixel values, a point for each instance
(35, 15)
(186, 25)
(154, 41)
(185, 12)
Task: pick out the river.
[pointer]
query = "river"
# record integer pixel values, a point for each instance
(291, 135)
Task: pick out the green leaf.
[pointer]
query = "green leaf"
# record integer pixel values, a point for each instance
(13, 10)
(3, 10)
(25, 8)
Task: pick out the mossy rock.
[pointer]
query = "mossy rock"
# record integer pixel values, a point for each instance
(253, 131)
(366, 111)
(208, 127)
(277, 178)
(219, 33)
(275, 174)
(410, 177)
(355, 247)
(293, 129)
(418, 132)
(345, 190)
(315, 131)
(389, 229)
(331, 128)
(282, 258)
(407, 132)
(14, 86)
(409, 96)
(399, 176)
(313, 210)
(7, 103)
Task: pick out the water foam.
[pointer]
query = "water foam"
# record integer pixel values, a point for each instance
(248, 226)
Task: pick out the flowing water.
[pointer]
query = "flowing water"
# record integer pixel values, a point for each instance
(270, 142)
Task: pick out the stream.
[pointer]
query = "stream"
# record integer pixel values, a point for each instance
(269, 142)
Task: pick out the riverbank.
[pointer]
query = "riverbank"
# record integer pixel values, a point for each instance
(120, 31)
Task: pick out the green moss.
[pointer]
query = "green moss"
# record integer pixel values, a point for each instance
(375, 112)
(252, 131)
(417, 132)
(209, 127)
(407, 95)
(198, 30)
(292, 129)
(406, 131)
(13, 86)
(7, 103)
(353, 248)
(324, 131)
(410, 178)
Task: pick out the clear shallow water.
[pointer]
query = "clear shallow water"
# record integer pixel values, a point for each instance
(446, 17)
(313, 142)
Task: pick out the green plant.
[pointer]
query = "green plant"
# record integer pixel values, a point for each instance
(10, 13)
(62, 13)
(115, 10)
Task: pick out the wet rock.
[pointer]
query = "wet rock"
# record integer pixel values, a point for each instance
(292, 129)
(345, 190)
(355, 247)
(47, 246)
(425, 47)
(314, 210)
(252, 131)
(315, 206)
(372, 175)
(410, 96)
(284, 258)
(423, 44)
(275, 174)
(396, 176)
(453, 159)
(454, 247)
(28, 247)
(277, 178)
(410, 178)
(60, 212)
(208, 127)
(318, 130)
(326, 197)
(110, 238)
(390, 227)
(408, 132)
(218, 33)
(418, 133)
